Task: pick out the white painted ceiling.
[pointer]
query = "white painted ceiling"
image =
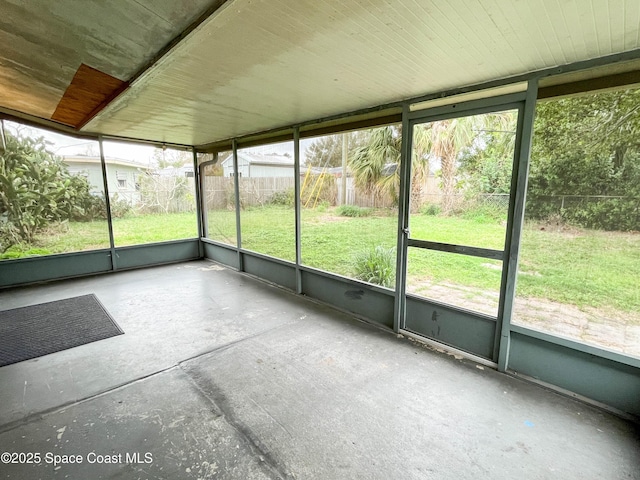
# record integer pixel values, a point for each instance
(256, 65)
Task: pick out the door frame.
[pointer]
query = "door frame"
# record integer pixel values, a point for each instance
(524, 103)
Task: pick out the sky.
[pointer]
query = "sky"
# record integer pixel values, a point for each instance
(66, 145)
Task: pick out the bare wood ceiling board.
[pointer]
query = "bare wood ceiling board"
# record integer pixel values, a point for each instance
(90, 89)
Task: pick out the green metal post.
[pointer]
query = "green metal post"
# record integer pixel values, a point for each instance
(296, 174)
(199, 209)
(107, 200)
(236, 182)
(514, 224)
(403, 222)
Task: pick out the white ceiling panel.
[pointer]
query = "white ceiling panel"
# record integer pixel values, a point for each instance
(256, 65)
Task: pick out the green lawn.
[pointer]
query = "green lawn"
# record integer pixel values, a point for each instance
(154, 228)
(584, 268)
(132, 230)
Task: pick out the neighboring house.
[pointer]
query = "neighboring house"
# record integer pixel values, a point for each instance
(122, 175)
(256, 165)
(183, 171)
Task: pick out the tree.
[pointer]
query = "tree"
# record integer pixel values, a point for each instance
(166, 189)
(485, 141)
(374, 164)
(486, 166)
(442, 140)
(445, 139)
(326, 152)
(214, 170)
(162, 193)
(36, 189)
(597, 124)
(583, 146)
(167, 158)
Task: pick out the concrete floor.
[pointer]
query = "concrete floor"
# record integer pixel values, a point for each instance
(219, 375)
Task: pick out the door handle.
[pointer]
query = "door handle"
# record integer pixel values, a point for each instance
(406, 231)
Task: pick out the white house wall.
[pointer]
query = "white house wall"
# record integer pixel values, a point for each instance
(243, 167)
(129, 192)
(246, 169)
(259, 171)
(93, 173)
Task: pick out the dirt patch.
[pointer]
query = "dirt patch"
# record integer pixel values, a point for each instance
(469, 298)
(566, 231)
(608, 328)
(330, 218)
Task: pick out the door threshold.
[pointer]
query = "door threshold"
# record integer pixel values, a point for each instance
(442, 347)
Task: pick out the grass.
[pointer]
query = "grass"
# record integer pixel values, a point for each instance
(330, 242)
(269, 230)
(353, 211)
(154, 228)
(131, 230)
(586, 268)
(583, 268)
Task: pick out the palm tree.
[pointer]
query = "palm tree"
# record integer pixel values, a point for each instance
(375, 165)
(369, 163)
(421, 158)
(443, 140)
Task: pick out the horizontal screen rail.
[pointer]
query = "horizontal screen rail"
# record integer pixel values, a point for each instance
(461, 249)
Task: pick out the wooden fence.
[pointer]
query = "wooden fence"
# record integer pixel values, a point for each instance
(218, 192)
(166, 194)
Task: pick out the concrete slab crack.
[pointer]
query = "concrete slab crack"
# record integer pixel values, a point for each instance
(221, 407)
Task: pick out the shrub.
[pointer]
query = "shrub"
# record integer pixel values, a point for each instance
(285, 198)
(376, 266)
(119, 207)
(611, 214)
(485, 214)
(431, 209)
(607, 214)
(353, 211)
(36, 190)
(9, 235)
(322, 206)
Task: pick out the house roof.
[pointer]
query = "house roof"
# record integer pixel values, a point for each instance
(262, 159)
(75, 159)
(173, 171)
(200, 71)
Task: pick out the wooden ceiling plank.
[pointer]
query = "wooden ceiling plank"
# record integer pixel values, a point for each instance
(90, 90)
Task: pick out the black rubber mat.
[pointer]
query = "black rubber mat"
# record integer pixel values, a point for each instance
(36, 330)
